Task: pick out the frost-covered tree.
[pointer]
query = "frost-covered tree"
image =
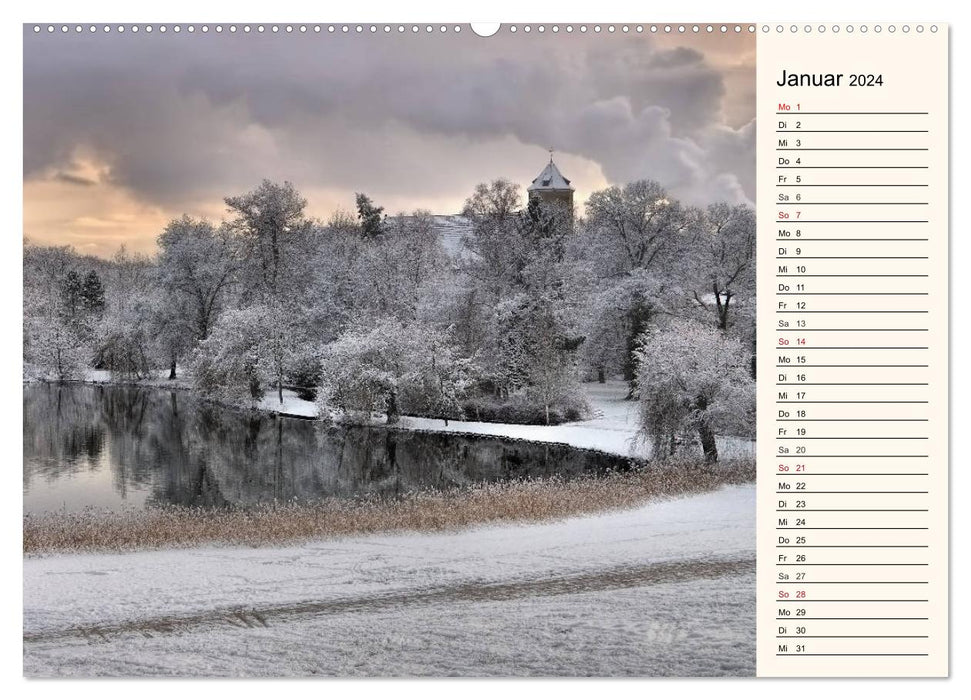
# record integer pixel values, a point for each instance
(125, 340)
(337, 292)
(637, 226)
(395, 368)
(127, 275)
(402, 272)
(422, 269)
(495, 241)
(603, 320)
(92, 294)
(55, 348)
(274, 235)
(82, 302)
(553, 376)
(172, 329)
(544, 231)
(536, 354)
(197, 264)
(71, 302)
(249, 350)
(632, 250)
(692, 378)
(229, 364)
(722, 259)
(370, 216)
(517, 302)
(343, 223)
(54, 342)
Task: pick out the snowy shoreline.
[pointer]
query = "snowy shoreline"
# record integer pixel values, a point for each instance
(613, 429)
(677, 576)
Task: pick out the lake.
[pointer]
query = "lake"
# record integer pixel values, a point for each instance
(117, 447)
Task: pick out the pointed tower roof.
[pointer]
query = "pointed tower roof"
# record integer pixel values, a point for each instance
(550, 180)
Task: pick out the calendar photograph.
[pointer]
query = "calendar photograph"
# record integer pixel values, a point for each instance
(389, 350)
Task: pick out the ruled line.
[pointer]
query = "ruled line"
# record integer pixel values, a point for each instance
(852, 636)
(840, 240)
(806, 148)
(852, 167)
(854, 294)
(801, 113)
(851, 131)
(839, 204)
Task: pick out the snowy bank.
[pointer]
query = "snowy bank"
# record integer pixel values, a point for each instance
(612, 429)
(666, 589)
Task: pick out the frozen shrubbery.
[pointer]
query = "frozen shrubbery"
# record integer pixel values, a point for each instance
(55, 350)
(692, 378)
(520, 410)
(395, 368)
(249, 351)
(306, 374)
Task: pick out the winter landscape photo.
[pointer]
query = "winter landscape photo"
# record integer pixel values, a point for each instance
(388, 353)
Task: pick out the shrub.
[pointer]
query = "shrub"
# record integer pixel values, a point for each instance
(519, 410)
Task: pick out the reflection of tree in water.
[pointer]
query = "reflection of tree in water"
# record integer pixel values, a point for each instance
(63, 430)
(181, 455)
(198, 454)
(129, 414)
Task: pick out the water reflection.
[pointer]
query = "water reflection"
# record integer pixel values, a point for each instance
(109, 446)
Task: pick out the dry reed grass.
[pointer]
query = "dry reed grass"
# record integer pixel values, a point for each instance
(427, 511)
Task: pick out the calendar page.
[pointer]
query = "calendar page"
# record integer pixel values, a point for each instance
(512, 350)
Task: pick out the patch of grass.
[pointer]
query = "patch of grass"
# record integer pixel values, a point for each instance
(425, 511)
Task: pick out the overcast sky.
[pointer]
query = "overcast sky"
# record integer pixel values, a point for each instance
(124, 132)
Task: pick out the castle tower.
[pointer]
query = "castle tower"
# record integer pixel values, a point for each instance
(551, 188)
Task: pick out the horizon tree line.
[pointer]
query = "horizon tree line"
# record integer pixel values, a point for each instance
(368, 313)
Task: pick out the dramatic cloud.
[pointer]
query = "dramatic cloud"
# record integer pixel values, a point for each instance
(159, 124)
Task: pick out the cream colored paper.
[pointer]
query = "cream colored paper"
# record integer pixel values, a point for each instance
(853, 457)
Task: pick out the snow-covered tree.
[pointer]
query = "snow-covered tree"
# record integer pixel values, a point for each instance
(55, 343)
(71, 289)
(692, 378)
(536, 353)
(370, 216)
(274, 235)
(92, 294)
(604, 316)
(493, 210)
(553, 376)
(197, 263)
(230, 364)
(633, 252)
(249, 350)
(55, 348)
(635, 226)
(395, 368)
(123, 338)
(172, 329)
(401, 272)
(125, 341)
(723, 259)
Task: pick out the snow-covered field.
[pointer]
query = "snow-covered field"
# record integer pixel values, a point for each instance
(665, 589)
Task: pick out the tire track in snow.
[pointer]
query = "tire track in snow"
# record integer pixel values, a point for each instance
(266, 616)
